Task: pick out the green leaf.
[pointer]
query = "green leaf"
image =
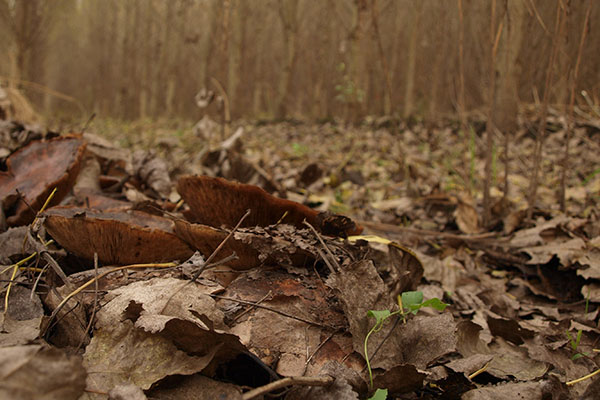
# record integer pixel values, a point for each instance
(380, 394)
(576, 356)
(435, 303)
(412, 299)
(379, 316)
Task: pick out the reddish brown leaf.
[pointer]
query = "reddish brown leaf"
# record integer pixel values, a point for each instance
(34, 171)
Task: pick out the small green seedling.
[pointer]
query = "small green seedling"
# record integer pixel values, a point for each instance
(575, 344)
(577, 339)
(408, 303)
(380, 394)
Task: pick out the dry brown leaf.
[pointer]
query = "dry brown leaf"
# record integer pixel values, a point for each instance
(400, 379)
(507, 391)
(38, 372)
(122, 353)
(422, 340)
(466, 216)
(513, 362)
(152, 171)
(127, 391)
(35, 171)
(21, 324)
(196, 387)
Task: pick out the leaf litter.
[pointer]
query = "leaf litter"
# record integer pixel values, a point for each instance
(176, 301)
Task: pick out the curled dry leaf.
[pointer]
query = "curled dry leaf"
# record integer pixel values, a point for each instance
(153, 171)
(119, 238)
(466, 216)
(152, 329)
(34, 171)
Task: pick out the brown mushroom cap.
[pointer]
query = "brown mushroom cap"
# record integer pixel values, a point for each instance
(216, 202)
(120, 238)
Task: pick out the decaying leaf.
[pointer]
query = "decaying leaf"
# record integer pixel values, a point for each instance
(466, 215)
(400, 379)
(196, 387)
(21, 324)
(164, 325)
(39, 372)
(153, 171)
(115, 356)
(34, 172)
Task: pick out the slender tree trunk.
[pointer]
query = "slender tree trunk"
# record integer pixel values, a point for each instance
(412, 61)
(569, 133)
(288, 14)
(357, 63)
(489, 128)
(235, 55)
(541, 132)
(507, 98)
(387, 98)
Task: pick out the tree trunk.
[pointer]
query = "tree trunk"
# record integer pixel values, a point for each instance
(357, 72)
(288, 14)
(507, 69)
(235, 55)
(412, 61)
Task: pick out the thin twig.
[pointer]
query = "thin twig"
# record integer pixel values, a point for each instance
(583, 378)
(88, 283)
(250, 303)
(319, 348)
(324, 245)
(91, 321)
(219, 247)
(289, 381)
(324, 258)
(246, 311)
(426, 232)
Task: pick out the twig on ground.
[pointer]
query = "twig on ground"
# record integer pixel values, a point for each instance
(246, 311)
(91, 321)
(88, 283)
(324, 246)
(378, 226)
(319, 348)
(289, 381)
(255, 304)
(219, 247)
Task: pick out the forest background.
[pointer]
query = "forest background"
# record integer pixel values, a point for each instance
(303, 59)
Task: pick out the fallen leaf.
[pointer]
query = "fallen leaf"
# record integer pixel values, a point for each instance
(38, 372)
(35, 171)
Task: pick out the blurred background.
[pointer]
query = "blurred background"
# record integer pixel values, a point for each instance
(304, 59)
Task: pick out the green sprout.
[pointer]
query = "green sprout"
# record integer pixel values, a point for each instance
(408, 303)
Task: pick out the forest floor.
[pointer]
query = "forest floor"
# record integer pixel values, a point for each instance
(522, 290)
